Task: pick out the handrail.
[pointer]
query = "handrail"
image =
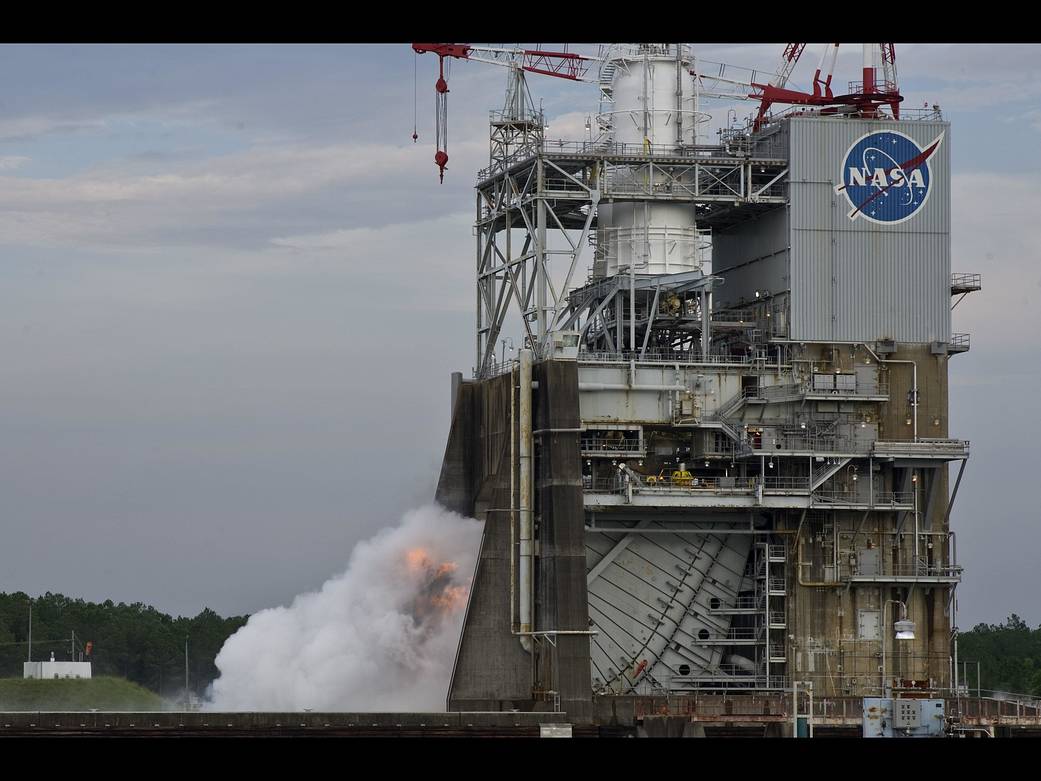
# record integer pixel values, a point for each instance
(659, 356)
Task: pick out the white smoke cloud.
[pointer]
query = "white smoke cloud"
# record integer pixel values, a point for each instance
(381, 636)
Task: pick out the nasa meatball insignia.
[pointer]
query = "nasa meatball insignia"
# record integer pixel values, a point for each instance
(886, 176)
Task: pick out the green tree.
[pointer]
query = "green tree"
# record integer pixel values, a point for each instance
(133, 641)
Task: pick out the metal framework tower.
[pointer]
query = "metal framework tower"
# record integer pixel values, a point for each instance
(755, 445)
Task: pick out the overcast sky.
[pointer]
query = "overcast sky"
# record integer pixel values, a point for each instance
(233, 292)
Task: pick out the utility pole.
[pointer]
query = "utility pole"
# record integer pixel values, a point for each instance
(187, 700)
(30, 629)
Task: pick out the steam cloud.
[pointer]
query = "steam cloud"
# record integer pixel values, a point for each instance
(381, 636)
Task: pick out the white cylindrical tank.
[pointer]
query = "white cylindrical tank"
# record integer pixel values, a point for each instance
(653, 114)
(653, 98)
(658, 237)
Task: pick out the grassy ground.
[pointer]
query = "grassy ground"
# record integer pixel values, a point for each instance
(75, 694)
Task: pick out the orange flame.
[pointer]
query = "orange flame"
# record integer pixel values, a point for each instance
(439, 594)
(417, 559)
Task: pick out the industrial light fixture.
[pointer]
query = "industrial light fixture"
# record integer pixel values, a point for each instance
(802, 424)
(771, 463)
(904, 630)
(757, 294)
(914, 478)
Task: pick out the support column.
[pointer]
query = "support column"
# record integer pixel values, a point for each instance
(562, 605)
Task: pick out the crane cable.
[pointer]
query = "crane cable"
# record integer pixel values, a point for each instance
(441, 119)
(415, 97)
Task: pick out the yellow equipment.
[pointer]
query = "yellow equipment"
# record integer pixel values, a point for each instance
(680, 477)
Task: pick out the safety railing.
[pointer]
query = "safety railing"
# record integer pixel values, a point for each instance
(912, 570)
(594, 444)
(739, 603)
(960, 340)
(924, 446)
(724, 677)
(660, 356)
(619, 149)
(807, 444)
(495, 368)
(605, 148)
(863, 496)
(674, 485)
(859, 389)
(785, 483)
(880, 86)
(738, 634)
(966, 281)
(749, 316)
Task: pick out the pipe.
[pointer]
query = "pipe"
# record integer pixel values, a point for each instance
(606, 386)
(914, 381)
(741, 661)
(514, 389)
(914, 482)
(526, 525)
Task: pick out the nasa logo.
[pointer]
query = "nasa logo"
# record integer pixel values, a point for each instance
(886, 177)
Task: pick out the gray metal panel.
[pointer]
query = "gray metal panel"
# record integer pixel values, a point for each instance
(752, 256)
(856, 280)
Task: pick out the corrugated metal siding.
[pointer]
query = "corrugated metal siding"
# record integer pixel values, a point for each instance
(752, 256)
(856, 280)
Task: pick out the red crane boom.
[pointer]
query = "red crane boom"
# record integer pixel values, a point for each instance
(563, 65)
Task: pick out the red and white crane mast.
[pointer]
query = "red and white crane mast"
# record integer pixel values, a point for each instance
(562, 65)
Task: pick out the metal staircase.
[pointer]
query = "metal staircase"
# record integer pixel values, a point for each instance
(828, 469)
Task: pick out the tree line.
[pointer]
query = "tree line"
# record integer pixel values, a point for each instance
(133, 641)
(1009, 655)
(141, 644)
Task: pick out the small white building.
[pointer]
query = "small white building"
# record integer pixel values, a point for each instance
(53, 669)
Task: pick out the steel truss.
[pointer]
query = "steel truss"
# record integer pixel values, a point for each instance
(536, 220)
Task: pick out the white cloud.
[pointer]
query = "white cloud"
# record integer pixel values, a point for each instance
(265, 186)
(11, 162)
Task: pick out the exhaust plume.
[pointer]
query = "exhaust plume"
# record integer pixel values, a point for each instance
(381, 636)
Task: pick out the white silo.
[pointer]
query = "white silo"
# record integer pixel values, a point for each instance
(653, 113)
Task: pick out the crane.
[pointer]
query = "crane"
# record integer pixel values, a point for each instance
(865, 97)
(562, 65)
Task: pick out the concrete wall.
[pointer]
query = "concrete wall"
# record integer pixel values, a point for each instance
(828, 648)
(492, 671)
(562, 601)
